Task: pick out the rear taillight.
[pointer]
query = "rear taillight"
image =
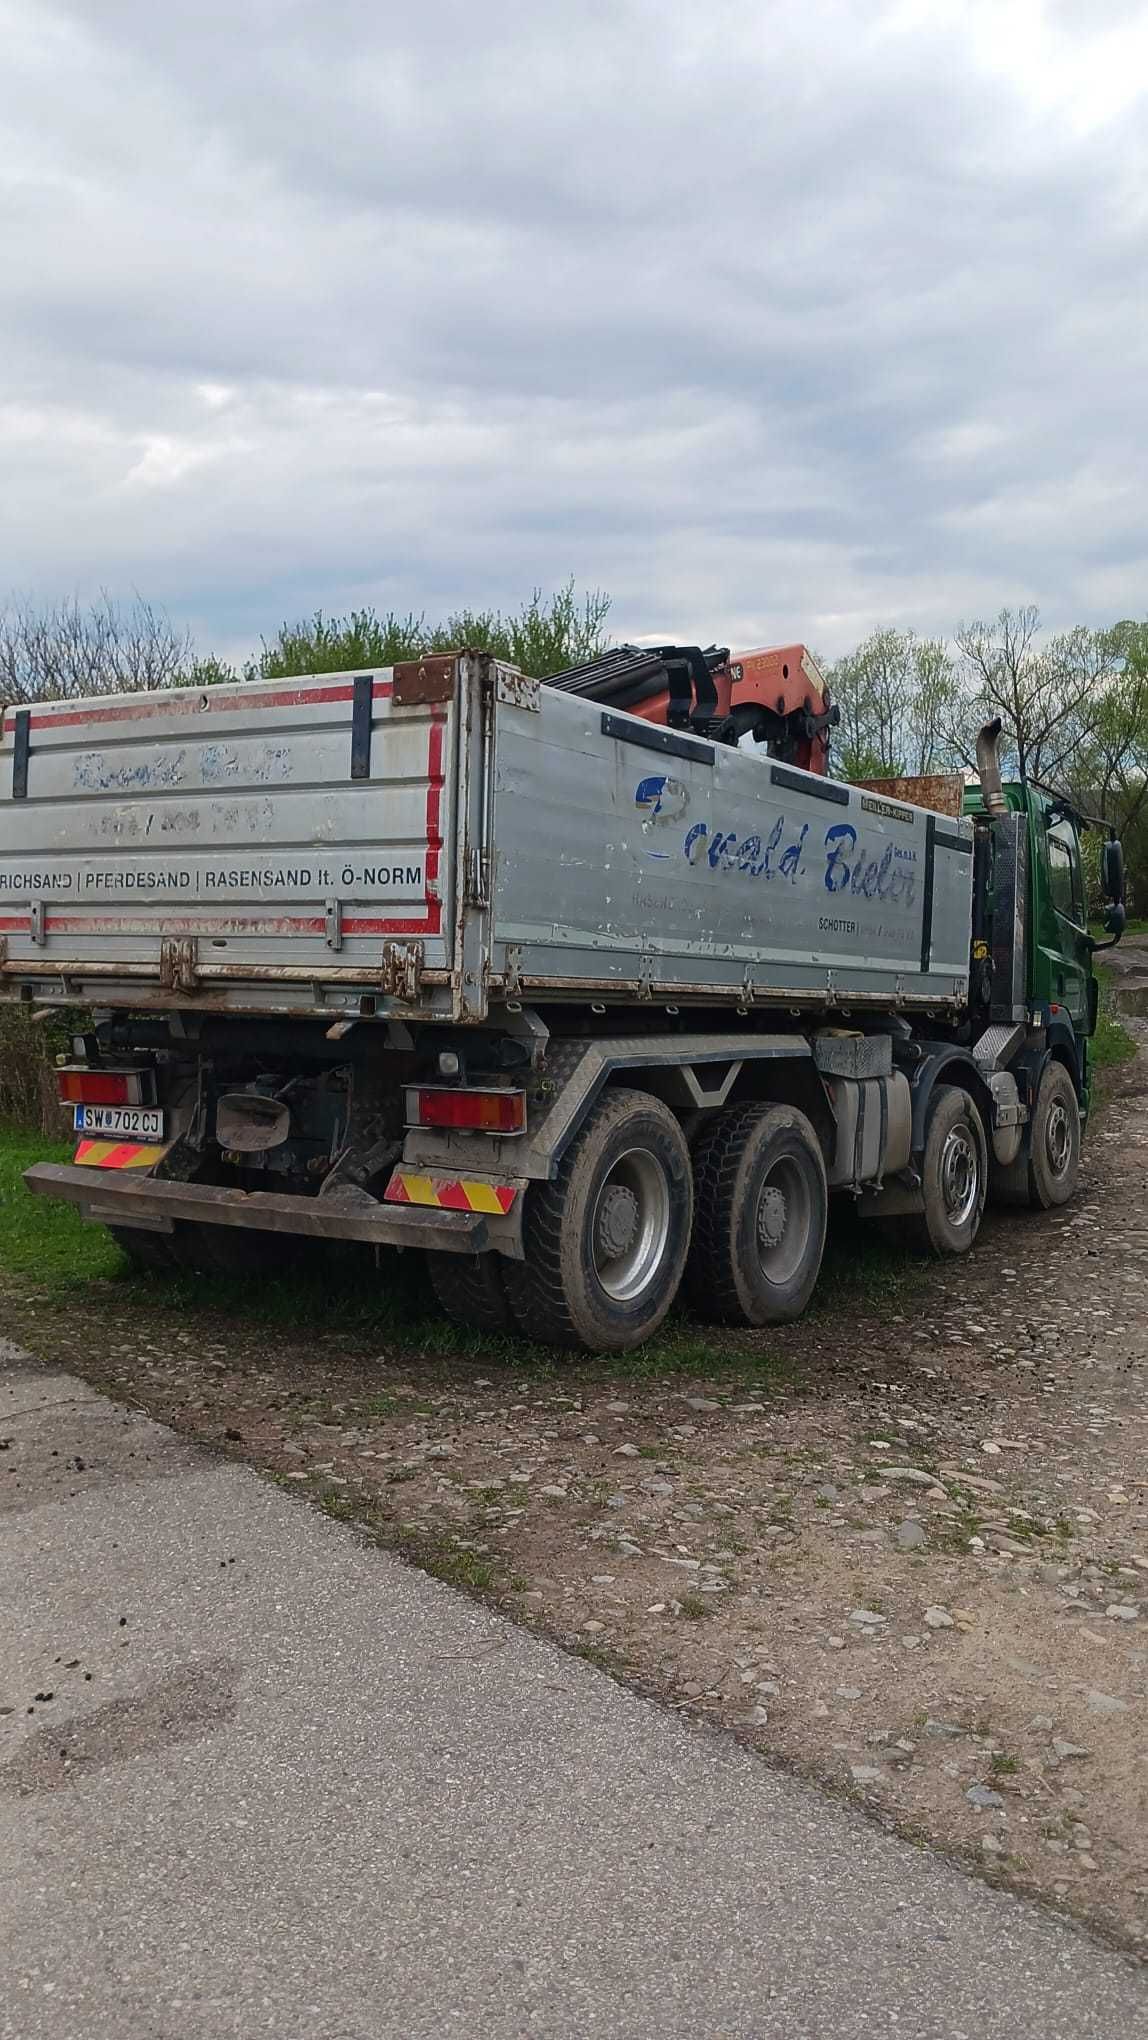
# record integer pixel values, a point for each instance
(82, 1086)
(467, 1110)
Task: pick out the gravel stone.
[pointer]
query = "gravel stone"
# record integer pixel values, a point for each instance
(910, 1535)
(983, 1796)
(1105, 1703)
(938, 1618)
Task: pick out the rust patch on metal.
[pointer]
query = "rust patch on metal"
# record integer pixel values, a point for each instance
(424, 680)
(520, 690)
(943, 792)
(177, 965)
(402, 970)
(195, 1701)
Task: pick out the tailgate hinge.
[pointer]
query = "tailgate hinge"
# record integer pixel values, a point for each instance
(477, 892)
(178, 961)
(401, 975)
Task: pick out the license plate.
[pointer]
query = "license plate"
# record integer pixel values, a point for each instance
(128, 1122)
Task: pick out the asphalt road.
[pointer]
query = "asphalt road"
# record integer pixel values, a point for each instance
(284, 1785)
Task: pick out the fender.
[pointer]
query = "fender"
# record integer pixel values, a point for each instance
(945, 1061)
(1062, 1035)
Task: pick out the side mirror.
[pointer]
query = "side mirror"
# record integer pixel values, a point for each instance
(1112, 872)
(1115, 915)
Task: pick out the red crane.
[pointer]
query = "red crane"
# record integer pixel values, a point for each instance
(777, 694)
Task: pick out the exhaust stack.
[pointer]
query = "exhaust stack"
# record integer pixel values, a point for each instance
(989, 768)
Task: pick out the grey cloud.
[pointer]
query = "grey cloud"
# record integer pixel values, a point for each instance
(777, 322)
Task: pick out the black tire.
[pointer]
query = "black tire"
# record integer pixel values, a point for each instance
(760, 1211)
(152, 1252)
(1008, 1182)
(233, 1250)
(470, 1291)
(1047, 1170)
(606, 1242)
(954, 1176)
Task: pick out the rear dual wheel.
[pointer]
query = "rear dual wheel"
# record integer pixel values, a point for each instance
(762, 1206)
(606, 1241)
(152, 1252)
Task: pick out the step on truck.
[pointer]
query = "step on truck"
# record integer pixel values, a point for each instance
(590, 1010)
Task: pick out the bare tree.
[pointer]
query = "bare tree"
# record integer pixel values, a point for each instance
(1109, 771)
(1043, 694)
(55, 651)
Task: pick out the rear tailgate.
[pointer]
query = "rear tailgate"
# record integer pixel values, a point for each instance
(237, 839)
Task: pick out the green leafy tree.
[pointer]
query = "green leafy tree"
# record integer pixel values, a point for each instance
(897, 694)
(548, 633)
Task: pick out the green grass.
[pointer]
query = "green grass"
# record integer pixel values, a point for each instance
(389, 1301)
(39, 1236)
(1111, 1044)
(1138, 925)
(695, 1607)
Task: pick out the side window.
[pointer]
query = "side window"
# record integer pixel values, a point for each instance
(1064, 879)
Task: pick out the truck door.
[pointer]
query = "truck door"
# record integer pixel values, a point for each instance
(1065, 951)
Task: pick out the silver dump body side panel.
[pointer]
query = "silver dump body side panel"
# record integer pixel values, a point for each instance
(662, 865)
(446, 843)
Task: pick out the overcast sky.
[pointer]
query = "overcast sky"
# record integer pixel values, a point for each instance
(776, 319)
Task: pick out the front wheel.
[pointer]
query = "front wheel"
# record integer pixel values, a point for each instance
(761, 1208)
(606, 1241)
(954, 1175)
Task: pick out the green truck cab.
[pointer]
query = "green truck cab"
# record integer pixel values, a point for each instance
(1031, 934)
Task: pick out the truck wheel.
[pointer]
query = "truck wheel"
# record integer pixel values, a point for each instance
(232, 1250)
(1047, 1170)
(954, 1175)
(606, 1242)
(759, 1224)
(470, 1291)
(153, 1252)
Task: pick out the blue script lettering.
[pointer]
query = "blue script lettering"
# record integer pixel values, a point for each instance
(838, 840)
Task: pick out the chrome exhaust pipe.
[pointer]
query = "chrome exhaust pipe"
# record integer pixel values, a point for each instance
(989, 767)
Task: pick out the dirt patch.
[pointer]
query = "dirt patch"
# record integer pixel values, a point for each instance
(903, 1549)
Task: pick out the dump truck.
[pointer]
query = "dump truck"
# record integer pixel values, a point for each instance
(589, 1009)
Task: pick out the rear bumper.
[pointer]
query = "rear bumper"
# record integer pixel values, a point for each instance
(121, 1198)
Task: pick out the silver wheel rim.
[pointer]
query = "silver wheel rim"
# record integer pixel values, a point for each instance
(630, 1225)
(1058, 1139)
(782, 1221)
(960, 1175)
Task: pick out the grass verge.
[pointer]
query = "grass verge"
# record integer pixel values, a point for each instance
(1111, 1044)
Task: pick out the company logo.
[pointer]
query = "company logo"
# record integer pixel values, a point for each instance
(660, 799)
